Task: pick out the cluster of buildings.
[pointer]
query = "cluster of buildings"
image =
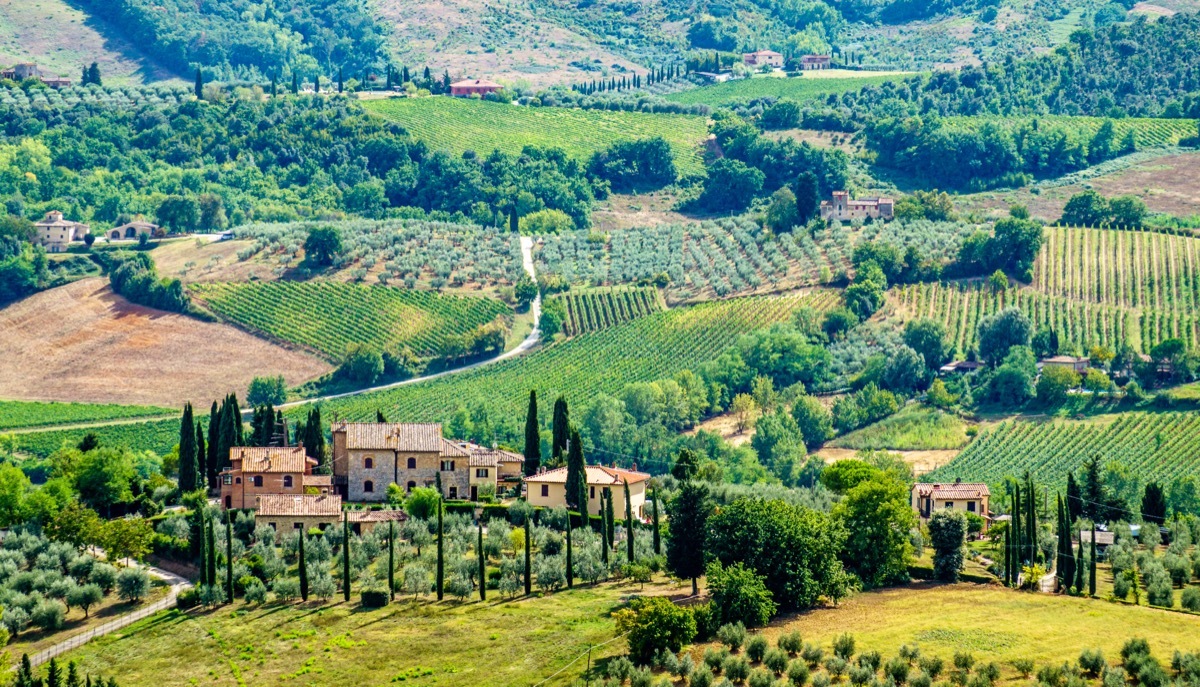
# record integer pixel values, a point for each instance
(280, 485)
(770, 58)
(843, 208)
(958, 495)
(29, 70)
(56, 233)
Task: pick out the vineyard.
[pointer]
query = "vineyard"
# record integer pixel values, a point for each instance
(459, 124)
(1152, 446)
(329, 316)
(413, 252)
(649, 348)
(160, 437)
(960, 307)
(119, 97)
(793, 88)
(1155, 273)
(19, 414)
(728, 257)
(593, 310)
(1147, 132)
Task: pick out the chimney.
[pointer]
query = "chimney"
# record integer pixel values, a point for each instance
(958, 480)
(635, 467)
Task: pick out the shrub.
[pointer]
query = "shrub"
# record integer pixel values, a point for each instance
(1050, 675)
(1115, 677)
(374, 598)
(920, 679)
(870, 659)
(843, 646)
(736, 668)
(14, 619)
(132, 584)
(715, 658)
(104, 575)
(947, 535)
(820, 680)
(861, 675)
(286, 588)
(641, 677)
(1023, 666)
(836, 666)
(1191, 599)
(48, 615)
(701, 676)
(740, 595)
(963, 660)
(989, 672)
(797, 673)
(256, 592)
(812, 655)
(776, 660)
(910, 652)
(188, 598)
(932, 665)
(760, 678)
(756, 648)
(790, 642)
(1092, 662)
(897, 670)
(1121, 586)
(732, 635)
(619, 668)
(655, 624)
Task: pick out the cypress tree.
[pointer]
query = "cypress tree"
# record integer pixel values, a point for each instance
(514, 223)
(274, 87)
(72, 675)
(389, 78)
(53, 674)
(379, 416)
(610, 523)
(211, 544)
(570, 556)
(1074, 499)
(1060, 565)
(187, 451)
(441, 562)
(295, 83)
(340, 83)
(214, 434)
(605, 544)
(1008, 578)
(345, 559)
(229, 557)
(404, 76)
(654, 517)
(629, 525)
(482, 563)
(533, 439)
(561, 432)
(1079, 566)
(577, 473)
(529, 556)
(1092, 564)
(201, 455)
(199, 87)
(391, 557)
(1030, 520)
(437, 482)
(303, 570)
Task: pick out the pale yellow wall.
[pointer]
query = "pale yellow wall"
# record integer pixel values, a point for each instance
(557, 497)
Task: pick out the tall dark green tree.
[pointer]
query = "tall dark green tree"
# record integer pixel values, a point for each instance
(229, 557)
(1079, 566)
(630, 525)
(214, 443)
(303, 569)
(1092, 564)
(654, 520)
(199, 85)
(570, 556)
(53, 674)
(1074, 499)
(1030, 521)
(187, 451)
(688, 514)
(441, 550)
(341, 84)
(560, 428)
(345, 558)
(201, 457)
(211, 544)
(1154, 504)
(576, 487)
(391, 556)
(533, 438)
(528, 554)
(610, 521)
(479, 553)
(295, 83)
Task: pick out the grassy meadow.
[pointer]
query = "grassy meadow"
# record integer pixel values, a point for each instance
(791, 88)
(914, 428)
(22, 414)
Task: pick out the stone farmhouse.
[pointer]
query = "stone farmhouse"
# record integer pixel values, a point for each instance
(809, 62)
(763, 58)
(302, 512)
(55, 233)
(843, 208)
(549, 488)
(29, 70)
(1068, 362)
(133, 230)
(971, 498)
(367, 457)
(258, 470)
(480, 87)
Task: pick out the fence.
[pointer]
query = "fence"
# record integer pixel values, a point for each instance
(100, 630)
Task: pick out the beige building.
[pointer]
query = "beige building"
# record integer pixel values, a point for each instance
(549, 489)
(970, 498)
(367, 457)
(761, 58)
(843, 208)
(1067, 362)
(288, 512)
(133, 230)
(809, 62)
(258, 470)
(56, 234)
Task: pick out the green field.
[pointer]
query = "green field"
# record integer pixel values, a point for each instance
(460, 124)
(21, 414)
(793, 88)
(914, 428)
(649, 348)
(1147, 132)
(329, 316)
(1152, 446)
(591, 310)
(158, 436)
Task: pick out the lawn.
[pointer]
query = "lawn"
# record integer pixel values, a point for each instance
(497, 642)
(21, 414)
(459, 124)
(792, 88)
(914, 428)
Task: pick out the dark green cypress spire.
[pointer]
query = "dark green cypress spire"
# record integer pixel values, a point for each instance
(391, 552)
(482, 562)
(187, 451)
(570, 556)
(533, 438)
(629, 524)
(303, 569)
(528, 555)
(441, 561)
(345, 558)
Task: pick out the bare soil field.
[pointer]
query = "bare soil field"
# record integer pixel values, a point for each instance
(818, 139)
(81, 342)
(200, 260)
(626, 211)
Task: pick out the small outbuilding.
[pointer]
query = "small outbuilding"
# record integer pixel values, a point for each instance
(469, 87)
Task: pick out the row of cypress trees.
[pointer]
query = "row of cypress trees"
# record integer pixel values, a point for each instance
(199, 460)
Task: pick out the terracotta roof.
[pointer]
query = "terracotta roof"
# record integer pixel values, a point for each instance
(766, 52)
(301, 504)
(392, 436)
(317, 481)
(375, 516)
(597, 475)
(494, 454)
(953, 490)
(482, 460)
(1065, 359)
(271, 458)
(452, 449)
(1102, 538)
(476, 83)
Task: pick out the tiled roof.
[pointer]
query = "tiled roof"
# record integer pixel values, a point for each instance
(271, 458)
(317, 480)
(1102, 538)
(375, 516)
(475, 83)
(301, 504)
(482, 460)
(493, 455)
(597, 475)
(953, 490)
(1065, 359)
(452, 449)
(393, 436)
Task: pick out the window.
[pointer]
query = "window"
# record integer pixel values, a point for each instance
(481, 472)
(411, 485)
(226, 479)
(369, 487)
(971, 506)
(287, 481)
(238, 480)
(296, 526)
(447, 466)
(545, 490)
(272, 525)
(453, 492)
(412, 463)
(368, 463)
(591, 492)
(258, 480)
(949, 504)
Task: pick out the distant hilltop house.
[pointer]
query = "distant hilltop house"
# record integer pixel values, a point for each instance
(132, 230)
(549, 488)
(29, 70)
(471, 87)
(808, 62)
(760, 58)
(842, 208)
(960, 367)
(1067, 362)
(56, 234)
(957, 495)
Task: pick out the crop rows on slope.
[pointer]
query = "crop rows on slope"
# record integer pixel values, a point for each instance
(158, 436)
(652, 347)
(794, 88)
(17, 414)
(961, 308)
(110, 96)
(592, 310)
(329, 316)
(1147, 132)
(405, 251)
(1153, 446)
(460, 124)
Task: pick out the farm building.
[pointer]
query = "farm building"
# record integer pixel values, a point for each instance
(471, 87)
(258, 470)
(960, 367)
(56, 233)
(1069, 362)
(133, 230)
(287, 512)
(971, 498)
(844, 208)
(549, 488)
(808, 62)
(761, 58)
(28, 70)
